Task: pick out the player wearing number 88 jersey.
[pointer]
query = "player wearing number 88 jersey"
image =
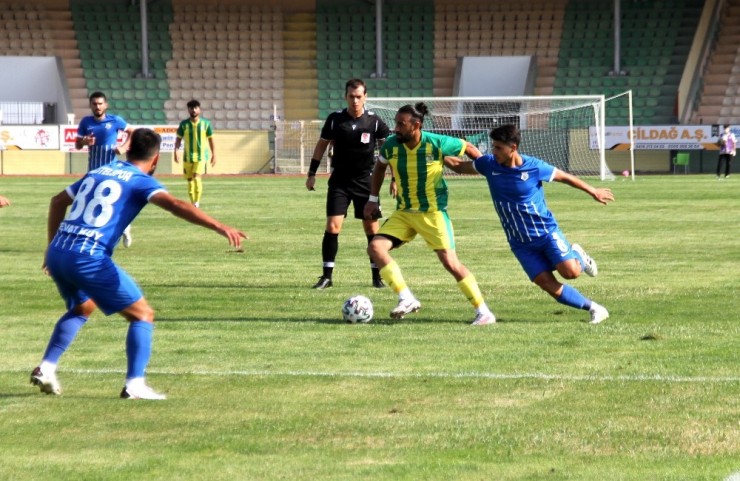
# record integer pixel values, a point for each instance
(98, 207)
(98, 215)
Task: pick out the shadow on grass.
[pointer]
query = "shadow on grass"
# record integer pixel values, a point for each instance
(21, 395)
(294, 319)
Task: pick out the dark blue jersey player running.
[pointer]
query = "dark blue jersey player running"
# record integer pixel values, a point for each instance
(515, 181)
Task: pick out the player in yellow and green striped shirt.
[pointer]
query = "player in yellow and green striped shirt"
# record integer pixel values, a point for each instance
(195, 131)
(417, 159)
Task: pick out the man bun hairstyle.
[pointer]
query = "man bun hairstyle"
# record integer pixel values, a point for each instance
(417, 111)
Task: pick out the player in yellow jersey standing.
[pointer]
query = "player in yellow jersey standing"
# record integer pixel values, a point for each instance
(417, 158)
(195, 131)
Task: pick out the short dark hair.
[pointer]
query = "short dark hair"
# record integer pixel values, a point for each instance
(419, 110)
(193, 103)
(353, 84)
(507, 134)
(144, 144)
(98, 95)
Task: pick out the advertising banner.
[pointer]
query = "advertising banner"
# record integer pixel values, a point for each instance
(29, 137)
(68, 134)
(663, 137)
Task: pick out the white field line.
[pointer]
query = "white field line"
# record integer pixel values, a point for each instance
(658, 378)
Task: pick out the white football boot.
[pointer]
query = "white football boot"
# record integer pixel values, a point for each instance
(141, 391)
(590, 267)
(405, 306)
(47, 383)
(598, 313)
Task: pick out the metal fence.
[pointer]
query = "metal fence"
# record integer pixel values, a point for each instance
(294, 145)
(23, 113)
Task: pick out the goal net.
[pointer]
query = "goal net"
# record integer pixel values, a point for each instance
(566, 131)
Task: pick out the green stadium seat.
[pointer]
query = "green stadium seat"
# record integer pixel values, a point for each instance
(147, 116)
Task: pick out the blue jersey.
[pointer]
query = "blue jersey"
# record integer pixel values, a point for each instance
(105, 201)
(105, 132)
(519, 198)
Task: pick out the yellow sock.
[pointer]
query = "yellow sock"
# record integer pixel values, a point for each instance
(469, 287)
(391, 274)
(191, 189)
(198, 188)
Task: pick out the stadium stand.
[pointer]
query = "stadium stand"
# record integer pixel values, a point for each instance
(528, 27)
(299, 59)
(656, 37)
(345, 48)
(224, 55)
(720, 99)
(110, 56)
(25, 31)
(259, 58)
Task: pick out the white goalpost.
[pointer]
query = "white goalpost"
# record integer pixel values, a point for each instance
(566, 131)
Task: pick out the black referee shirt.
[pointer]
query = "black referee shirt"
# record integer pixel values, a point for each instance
(354, 142)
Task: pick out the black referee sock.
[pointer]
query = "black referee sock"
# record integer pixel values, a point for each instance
(329, 249)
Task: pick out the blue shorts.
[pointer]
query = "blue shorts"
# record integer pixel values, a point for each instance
(543, 254)
(81, 277)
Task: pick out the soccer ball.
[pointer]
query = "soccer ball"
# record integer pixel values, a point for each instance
(357, 309)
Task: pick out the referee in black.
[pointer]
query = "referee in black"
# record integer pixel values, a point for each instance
(355, 133)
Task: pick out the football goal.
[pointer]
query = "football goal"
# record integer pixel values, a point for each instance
(566, 131)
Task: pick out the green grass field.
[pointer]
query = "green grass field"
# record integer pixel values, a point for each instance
(266, 383)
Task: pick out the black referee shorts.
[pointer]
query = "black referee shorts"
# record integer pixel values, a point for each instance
(339, 197)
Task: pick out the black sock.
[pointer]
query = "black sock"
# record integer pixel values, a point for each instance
(329, 249)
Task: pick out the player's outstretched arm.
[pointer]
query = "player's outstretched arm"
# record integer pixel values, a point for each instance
(187, 211)
(472, 151)
(460, 166)
(603, 196)
(4, 202)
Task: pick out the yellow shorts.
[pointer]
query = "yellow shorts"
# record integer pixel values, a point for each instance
(190, 168)
(434, 227)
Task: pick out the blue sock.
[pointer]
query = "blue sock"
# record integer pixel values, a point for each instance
(138, 347)
(571, 297)
(64, 333)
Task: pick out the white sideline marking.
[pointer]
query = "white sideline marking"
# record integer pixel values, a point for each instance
(440, 375)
